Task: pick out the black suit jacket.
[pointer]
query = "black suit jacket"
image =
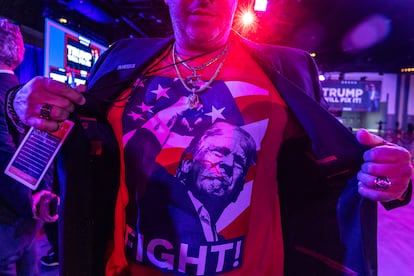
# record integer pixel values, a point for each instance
(15, 198)
(328, 228)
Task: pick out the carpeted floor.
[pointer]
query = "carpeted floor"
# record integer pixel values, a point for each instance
(396, 241)
(42, 248)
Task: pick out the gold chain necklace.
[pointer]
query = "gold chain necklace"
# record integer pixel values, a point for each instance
(193, 83)
(202, 66)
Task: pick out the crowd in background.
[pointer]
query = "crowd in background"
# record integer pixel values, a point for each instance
(402, 137)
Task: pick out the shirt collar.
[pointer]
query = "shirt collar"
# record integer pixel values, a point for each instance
(6, 71)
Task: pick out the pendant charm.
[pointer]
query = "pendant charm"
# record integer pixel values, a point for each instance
(193, 101)
(194, 82)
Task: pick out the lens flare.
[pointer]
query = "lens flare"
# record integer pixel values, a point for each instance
(245, 21)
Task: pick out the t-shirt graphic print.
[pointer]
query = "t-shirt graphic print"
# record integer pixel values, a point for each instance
(189, 174)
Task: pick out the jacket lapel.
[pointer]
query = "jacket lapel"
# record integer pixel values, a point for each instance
(118, 72)
(335, 149)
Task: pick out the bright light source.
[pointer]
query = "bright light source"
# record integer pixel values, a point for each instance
(260, 5)
(62, 20)
(322, 77)
(313, 55)
(407, 70)
(248, 18)
(245, 20)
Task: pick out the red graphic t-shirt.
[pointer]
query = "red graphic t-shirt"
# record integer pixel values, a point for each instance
(198, 192)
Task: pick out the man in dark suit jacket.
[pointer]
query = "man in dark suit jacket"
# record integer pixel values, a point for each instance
(328, 227)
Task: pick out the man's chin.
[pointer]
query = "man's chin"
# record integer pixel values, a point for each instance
(203, 34)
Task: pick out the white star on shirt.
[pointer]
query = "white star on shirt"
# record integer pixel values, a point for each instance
(145, 107)
(135, 116)
(216, 114)
(161, 92)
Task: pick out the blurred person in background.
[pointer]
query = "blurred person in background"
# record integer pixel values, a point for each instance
(22, 211)
(374, 98)
(51, 259)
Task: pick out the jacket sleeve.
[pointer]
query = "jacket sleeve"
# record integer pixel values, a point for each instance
(406, 198)
(15, 198)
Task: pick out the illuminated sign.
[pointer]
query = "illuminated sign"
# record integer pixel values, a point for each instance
(69, 56)
(78, 55)
(360, 96)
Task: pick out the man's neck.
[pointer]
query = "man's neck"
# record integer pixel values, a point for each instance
(195, 48)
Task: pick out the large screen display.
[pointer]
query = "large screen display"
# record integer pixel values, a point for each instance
(69, 56)
(352, 95)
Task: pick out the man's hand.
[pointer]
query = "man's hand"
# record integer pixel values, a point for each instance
(40, 92)
(383, 162)
(41, 206)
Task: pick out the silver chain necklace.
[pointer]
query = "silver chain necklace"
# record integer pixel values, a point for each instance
(193, 83)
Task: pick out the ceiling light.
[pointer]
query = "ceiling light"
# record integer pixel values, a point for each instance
(62, 20)
(260, 5)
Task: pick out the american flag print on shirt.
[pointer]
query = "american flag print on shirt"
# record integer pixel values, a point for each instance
(190, 173)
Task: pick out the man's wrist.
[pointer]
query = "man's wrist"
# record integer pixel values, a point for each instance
(11, 112)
